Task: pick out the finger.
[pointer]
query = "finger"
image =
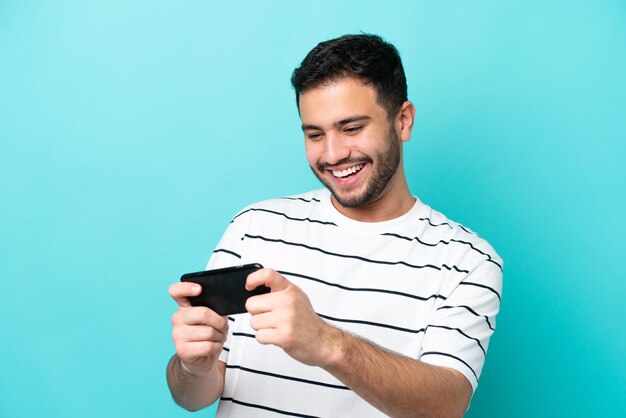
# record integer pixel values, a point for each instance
(263, 321)
(180, 291)
(267, 277)
(193, 349)
(198, 333)
(200, 315)
(263, 303)
(268, 336)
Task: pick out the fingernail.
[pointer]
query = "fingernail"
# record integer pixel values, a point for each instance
(196, 288)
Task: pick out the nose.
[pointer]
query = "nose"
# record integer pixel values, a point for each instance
(335, 148)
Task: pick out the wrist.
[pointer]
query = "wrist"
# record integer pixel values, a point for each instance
(335, 345)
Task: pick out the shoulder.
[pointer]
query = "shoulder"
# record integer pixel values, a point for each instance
(441, 229)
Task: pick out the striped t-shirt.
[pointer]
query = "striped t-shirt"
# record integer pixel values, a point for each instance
(420, 285)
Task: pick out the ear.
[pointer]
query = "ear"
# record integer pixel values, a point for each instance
(404, 121)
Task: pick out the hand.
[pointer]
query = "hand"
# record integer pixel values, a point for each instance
(284, 317)
(198, 332)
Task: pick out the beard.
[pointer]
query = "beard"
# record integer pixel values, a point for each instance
(385, 165)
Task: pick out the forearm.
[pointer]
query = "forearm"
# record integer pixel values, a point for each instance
(397, 385)
(194, 392)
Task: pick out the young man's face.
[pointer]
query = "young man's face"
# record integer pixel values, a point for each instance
(351, 145)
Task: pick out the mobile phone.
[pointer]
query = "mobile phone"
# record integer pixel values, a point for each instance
(224, 290)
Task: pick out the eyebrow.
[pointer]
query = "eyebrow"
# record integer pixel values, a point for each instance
(342, 122)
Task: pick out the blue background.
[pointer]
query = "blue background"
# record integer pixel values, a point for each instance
(131, 132)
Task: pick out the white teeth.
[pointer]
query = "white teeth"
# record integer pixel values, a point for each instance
(347, 171)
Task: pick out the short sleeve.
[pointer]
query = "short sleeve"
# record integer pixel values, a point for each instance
(459, 331)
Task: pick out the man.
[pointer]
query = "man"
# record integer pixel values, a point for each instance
(379, 305)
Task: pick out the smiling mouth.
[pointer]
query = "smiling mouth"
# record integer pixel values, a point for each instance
(348, 172)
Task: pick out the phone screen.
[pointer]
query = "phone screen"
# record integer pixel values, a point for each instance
(223, 290)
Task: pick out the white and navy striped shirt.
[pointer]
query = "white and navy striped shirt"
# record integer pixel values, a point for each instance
(420, 285)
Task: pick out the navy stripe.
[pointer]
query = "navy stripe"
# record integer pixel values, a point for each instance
(221, 250)
(267, 408)
(445, 243)
(226, 349)
(443, 266)
(472, 311)
(448, 225)
(374, 324)
(284, 215)
(280, 376)
(361, 289)
(432, 224)
(460, 332)
(313, 199)
(230, 318)
(243, 334)
(438, 353)
(482, 286)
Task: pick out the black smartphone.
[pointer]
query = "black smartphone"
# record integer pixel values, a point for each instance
(224, 290)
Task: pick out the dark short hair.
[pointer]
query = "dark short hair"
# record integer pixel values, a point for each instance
(365, 57)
